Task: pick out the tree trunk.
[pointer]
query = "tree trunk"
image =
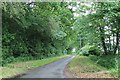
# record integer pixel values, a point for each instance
(109, 46)
(103, 40)
(113, 43)
(117, 42)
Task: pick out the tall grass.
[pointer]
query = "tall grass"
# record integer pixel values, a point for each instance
(110, 62)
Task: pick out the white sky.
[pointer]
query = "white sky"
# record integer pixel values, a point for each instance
(76, 8)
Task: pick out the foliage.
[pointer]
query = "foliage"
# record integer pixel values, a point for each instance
(21, 67)
(34, 30)
(100, 27)
(109, 62)
(90, 50)
(84, 67)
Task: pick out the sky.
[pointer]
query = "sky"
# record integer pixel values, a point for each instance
(77, 7)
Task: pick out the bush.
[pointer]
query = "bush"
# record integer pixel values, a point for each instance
(93, 50)
(85, 50)
(109, 61)
(8, 60)
(90, 49)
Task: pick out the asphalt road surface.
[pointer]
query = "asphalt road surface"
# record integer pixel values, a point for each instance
(52, 70)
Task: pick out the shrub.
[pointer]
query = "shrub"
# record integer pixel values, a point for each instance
(85, 50)
(93, 50)
(90, 49)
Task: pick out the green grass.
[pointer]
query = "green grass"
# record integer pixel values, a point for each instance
(17, 68)
(83, 64)
(110, 62)
(84, 67)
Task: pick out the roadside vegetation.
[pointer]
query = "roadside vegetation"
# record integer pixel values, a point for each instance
(18, 68)
(109, 62)
(35, 30)
(93, 67)
(40, 30)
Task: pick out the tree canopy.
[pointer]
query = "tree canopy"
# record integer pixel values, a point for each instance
(43, 29)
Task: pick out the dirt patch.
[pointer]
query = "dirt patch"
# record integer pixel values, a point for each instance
(83, 67)
(101, 74)
(67, 73)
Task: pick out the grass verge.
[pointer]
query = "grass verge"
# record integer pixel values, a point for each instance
(84, 67)
(110, 62)
(17, 68)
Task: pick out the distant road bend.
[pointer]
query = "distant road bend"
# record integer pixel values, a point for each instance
(52, 70)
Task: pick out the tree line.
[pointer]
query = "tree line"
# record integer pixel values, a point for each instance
(35, 30)
(100, 28)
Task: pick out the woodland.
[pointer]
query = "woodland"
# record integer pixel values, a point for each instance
(38, 30)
